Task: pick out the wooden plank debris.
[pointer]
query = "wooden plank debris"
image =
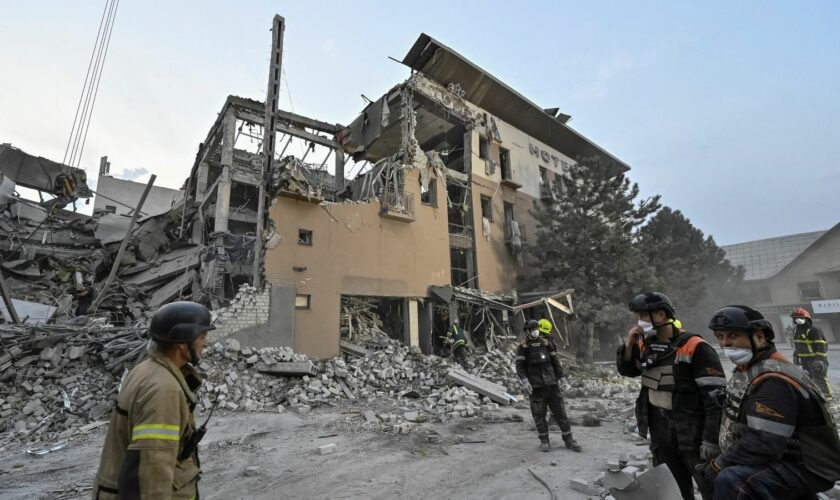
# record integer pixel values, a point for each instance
(289, 369)
(482, 386)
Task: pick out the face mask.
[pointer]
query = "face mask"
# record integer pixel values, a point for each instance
(739, 356)
(646, 326)
(799, 321)
(535, 333)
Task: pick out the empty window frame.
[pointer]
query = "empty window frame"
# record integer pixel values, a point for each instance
(504, 163)
(487, 208)
(305, 237)
(428, 195)
(303, 301)
(810, 290)
(111, 208)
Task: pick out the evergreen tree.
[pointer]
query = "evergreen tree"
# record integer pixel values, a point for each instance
(585, 241)
(690, 268)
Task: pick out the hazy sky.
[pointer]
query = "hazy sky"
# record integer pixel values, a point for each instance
(728, 109)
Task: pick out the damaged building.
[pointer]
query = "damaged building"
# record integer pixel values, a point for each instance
(291, 250)
(434, 229)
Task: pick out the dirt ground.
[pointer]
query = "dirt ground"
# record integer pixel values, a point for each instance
(365, 465)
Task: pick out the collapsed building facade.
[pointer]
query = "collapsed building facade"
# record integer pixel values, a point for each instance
(430, 230)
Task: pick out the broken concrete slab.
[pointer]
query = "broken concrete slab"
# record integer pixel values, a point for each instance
(656, 484)
(289, 369)
(482, 386)
(583, 486)
(31, 313)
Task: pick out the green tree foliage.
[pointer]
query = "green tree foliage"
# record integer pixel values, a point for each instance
(690, 268)
(585, 241)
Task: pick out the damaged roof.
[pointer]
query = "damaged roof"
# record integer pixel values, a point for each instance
(444, 65)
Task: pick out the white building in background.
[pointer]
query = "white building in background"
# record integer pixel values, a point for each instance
(119, 196)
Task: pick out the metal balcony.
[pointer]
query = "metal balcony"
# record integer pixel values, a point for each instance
(397, 205)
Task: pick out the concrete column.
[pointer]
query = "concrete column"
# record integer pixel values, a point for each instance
(413, 323)
(201, 177)
(223, 189)
(339, 170)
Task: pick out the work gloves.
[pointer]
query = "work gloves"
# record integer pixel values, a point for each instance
(709, 451)
(564, 384)
(708, 470)
(819, 367)
(526, 386)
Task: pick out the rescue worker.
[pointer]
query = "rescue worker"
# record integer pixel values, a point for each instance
(545, 328)
(150, 450)
(679, 371)
(457, 342)
(810, 350)
(541, 375)
(778, 437)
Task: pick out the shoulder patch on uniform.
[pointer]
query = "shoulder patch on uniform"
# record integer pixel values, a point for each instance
(766, 410)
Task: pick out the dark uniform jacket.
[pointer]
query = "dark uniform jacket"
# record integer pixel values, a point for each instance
(809, 343)
(537, 360)
(781, 419)
(697, 373)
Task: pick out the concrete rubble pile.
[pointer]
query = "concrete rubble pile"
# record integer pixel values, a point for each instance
(61, 259)
(55, 380)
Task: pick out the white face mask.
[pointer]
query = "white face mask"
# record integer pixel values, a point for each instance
(739, 355)
(799, 321)
(535, 333)
(646, 326)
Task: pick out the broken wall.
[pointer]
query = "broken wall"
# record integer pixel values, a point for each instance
(247, 310)
(355, 251)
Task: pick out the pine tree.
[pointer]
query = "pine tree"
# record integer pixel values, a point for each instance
(585, 241)
(690, 268)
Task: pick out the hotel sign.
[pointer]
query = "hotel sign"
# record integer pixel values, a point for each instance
(826, 306)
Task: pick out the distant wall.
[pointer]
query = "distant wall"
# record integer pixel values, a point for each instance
(159, 200)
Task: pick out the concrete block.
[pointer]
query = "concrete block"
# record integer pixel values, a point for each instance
(583, 486)
(327, 449)
(630, 471)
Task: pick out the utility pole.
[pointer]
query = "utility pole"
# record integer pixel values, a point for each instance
(272, 95)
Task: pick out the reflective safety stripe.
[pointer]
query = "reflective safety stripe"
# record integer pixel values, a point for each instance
(762, 424)
(710, 381)
(520, 358)
(156, 431)
(812, 355)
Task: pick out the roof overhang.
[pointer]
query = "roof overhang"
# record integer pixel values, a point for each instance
(444, 65)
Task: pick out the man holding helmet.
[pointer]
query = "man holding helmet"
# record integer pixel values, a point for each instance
(150, 450)
(680, 372)
(542, 376)
(778, 438)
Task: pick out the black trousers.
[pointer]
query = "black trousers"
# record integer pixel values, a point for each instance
(544, 398)
(460, 355)
(666, 450)
(818, 371)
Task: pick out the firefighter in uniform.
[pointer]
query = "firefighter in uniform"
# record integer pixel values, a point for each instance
(457, 342)
(810, 350)
(545, 329)
(778, 437)
(150, 450)
(680, 372)
(541, 375)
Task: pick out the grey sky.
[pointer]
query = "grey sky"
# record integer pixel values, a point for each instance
(729, 110)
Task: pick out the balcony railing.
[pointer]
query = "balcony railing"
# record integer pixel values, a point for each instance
(397, 205)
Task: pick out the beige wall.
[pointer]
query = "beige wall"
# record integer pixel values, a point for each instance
(355, 251)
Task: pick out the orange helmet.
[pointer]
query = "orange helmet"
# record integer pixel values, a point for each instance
(800, 313)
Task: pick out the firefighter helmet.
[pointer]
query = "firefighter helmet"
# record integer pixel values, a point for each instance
(180, 322)
(544, 326)
(800, 313)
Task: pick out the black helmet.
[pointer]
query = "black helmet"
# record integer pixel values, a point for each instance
(741, 318)
(652, 301)
(532, 324)
(180, 322)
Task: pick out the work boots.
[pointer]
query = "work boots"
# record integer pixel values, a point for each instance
(544, 444)
(572, 444)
